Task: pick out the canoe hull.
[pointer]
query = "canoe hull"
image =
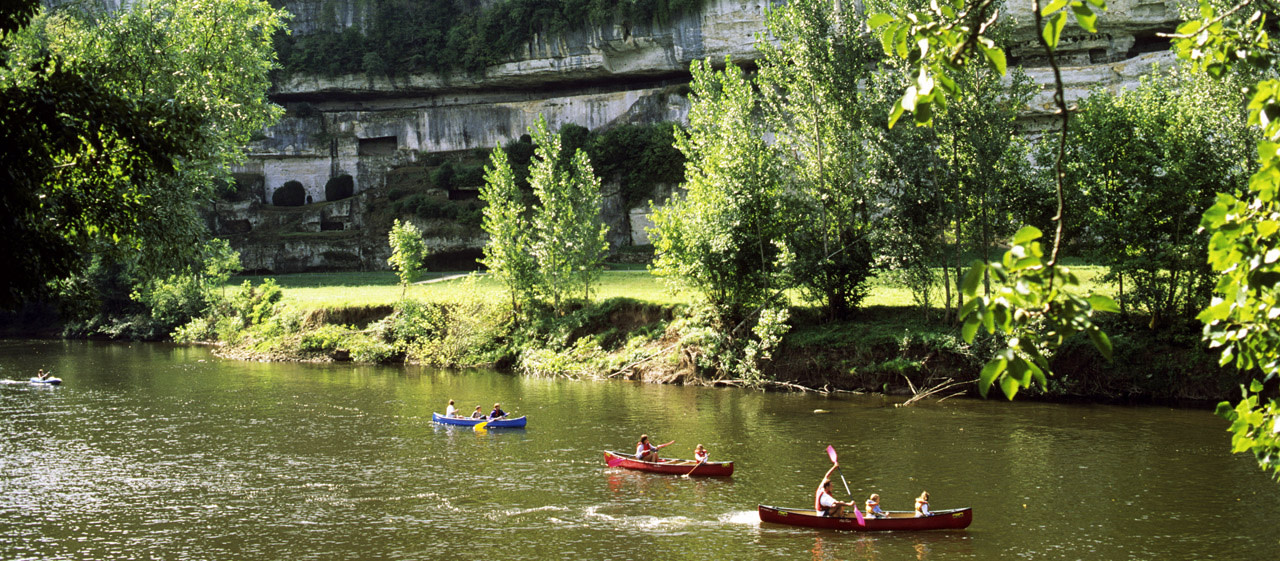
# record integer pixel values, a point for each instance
(955, 519)
(517, 422)
(47, 381)
(674, 467)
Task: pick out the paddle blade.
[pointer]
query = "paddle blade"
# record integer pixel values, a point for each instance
(831, 453)
(481, 425)
(858, 514)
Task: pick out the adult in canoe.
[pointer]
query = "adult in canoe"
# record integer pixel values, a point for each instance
(497, 412)
(450, 411)
(647, 452)
(826, 504)
(41, 374)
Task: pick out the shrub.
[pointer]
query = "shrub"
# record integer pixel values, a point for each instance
(340, 187)
(292, 193)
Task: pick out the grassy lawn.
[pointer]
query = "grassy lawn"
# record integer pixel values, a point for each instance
(341, 290)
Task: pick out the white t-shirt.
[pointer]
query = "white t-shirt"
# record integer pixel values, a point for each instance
(826, 500)
(450, 411)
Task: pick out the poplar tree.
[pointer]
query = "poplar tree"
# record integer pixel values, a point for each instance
(507, 255)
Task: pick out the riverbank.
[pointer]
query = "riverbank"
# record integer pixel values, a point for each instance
(891, 349)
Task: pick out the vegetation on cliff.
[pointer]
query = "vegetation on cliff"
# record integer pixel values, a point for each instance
(399, 37)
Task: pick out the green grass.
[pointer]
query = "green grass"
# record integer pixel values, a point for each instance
(339, 290)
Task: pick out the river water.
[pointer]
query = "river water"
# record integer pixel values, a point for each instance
(161, 452)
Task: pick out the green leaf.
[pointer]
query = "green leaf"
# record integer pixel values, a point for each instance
(1101, 342)
(1027, 234)
(1255, 386)
(886, 37)
(896, 113)
(1053, 29)
(1085, 17)
(1052, 7)
(1009, 386)
(1103, 303)
(878, 20)
(995, 58)
(970, 328)
(989, 373)
(900, 40)
(973, 277)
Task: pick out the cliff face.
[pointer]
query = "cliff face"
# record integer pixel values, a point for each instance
(371, 126)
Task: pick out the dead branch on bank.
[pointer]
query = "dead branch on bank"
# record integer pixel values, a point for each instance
(924, 393)
(825, 390)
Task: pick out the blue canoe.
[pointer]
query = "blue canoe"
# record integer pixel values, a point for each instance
(469, 422)
(49, 381)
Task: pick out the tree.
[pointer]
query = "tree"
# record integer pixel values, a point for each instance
(408, 250)
(1149, 162)
(116, 125)
(810, 79)
(1244, 243)
(725, 237)
(1244, 246)
(568, 236)
(507, 254)
(587, 244)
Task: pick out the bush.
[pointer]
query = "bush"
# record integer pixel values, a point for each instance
(290, 194)
(442, 177)
(340, 187)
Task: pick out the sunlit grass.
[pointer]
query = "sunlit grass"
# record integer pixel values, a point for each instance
(365, 289)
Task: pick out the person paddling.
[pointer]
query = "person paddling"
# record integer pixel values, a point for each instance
(41, 374)
(646, 451)
(450, 411)
(826, 504)
(497, 412)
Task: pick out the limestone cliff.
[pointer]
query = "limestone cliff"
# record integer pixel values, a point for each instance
(371, 126)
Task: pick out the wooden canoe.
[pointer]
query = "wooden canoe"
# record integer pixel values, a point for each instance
(505, 422)
(954, 519)
(676, 467)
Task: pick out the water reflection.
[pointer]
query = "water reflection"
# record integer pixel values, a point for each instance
(276, 461)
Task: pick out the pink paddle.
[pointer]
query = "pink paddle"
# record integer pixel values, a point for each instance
(831, 453)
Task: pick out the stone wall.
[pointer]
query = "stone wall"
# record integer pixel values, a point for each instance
(367, 126)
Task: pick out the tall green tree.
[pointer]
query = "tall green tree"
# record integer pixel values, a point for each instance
(117, 124)
(508, 254)
(587, 244)
(569, 237)
(812, 66)
(1148, 162)
(725, 237)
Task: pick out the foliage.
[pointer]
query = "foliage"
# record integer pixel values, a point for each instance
(402, 36)
(724, 238)
(1033, 306)
(638, 157)
(568, 239)
(507, 254)
(1244, 227)
(116, 124)
(810, 81)
(408, 251)
(1149, 162)
(292, 193)
(339, 187)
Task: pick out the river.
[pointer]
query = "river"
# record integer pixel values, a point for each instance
(152, 451)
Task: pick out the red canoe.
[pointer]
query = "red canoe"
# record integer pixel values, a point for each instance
(954, 519)
(677, 467)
